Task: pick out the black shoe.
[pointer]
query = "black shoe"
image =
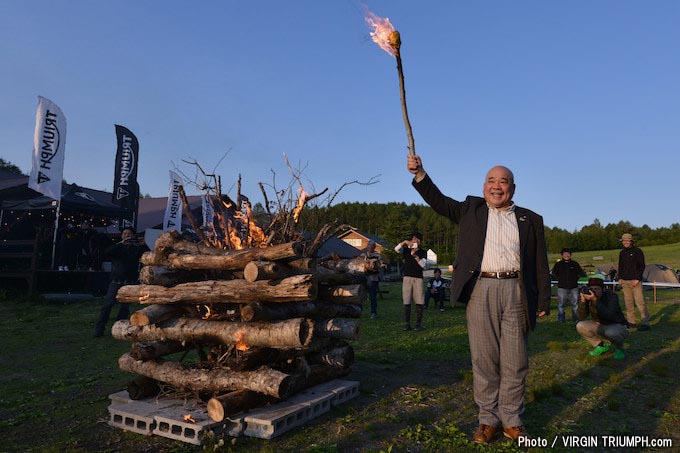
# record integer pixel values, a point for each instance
(419, 328)
(407, 327)
(644, 327)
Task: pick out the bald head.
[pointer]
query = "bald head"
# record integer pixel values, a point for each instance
(499, 187)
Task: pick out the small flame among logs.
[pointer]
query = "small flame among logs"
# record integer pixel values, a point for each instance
(239, 341)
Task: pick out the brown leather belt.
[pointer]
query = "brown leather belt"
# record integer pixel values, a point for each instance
(509, 274)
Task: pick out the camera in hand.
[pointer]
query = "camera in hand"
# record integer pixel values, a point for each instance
(586, 290)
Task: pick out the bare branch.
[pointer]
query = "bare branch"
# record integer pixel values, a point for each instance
(370, 182)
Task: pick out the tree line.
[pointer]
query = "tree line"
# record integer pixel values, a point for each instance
(394, 221)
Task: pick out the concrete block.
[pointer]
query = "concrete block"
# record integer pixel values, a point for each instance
(165, 416)
(318, 401)
(121, 397)
(171, 423)
(271, 421)
(134, 416)
(342, 390)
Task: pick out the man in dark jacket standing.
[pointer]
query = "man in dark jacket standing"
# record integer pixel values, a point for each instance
(608, 322)
(567, 272)
(504, 277)
(415, 260)
(124, 257)
(631, 267)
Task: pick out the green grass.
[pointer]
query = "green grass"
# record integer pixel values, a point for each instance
(415, 387)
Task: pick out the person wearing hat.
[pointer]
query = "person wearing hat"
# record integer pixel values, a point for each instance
(631, 267)
(504, 277)
(608, 328)
(415, 260)
(567, 272)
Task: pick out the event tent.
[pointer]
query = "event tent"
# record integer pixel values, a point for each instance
(659, 273)
(74, 199)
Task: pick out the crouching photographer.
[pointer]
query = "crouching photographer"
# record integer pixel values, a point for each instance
(607, 328)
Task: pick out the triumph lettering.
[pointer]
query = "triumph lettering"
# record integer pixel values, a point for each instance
(50, 140)
(127, 161)
(174, 206)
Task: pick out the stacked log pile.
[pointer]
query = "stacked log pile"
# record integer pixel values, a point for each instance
(265, 322)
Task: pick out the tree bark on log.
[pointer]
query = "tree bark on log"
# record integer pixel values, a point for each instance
(153, 314)
(340, 356)
(344, 329)
(166, 276)
(237, 401)
(258, 311)
(346, 294)
(173, 240)
(265, 270)
(291, 333)
(155, 349)
(319, 374)
(334, 278)
(359, 264)
(291, 289)
(264, 380)
(303, 264)
(226, 260)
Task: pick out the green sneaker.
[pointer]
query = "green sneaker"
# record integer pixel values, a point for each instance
(619, 354)
(599, 350)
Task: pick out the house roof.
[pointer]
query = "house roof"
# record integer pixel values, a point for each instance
(370, 237)
(337, 246)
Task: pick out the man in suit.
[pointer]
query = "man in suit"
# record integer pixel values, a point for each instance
(503, 275)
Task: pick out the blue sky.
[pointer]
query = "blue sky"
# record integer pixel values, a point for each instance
(580, 99)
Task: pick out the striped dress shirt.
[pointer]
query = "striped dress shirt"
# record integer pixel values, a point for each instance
(501, 247)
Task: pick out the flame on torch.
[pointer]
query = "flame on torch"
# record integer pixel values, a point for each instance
(382, 32)
(389, 40)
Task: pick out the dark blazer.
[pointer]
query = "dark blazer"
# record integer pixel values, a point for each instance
(472, 215)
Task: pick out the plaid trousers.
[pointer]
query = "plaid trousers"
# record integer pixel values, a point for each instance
(497, 330)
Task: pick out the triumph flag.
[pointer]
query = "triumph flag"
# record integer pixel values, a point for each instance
(49, 144)
(173, 212)
(125, 187)
(208, 211)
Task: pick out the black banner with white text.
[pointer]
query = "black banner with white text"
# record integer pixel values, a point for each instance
(125, 187)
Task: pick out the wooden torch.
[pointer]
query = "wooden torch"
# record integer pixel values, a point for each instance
(389, 40)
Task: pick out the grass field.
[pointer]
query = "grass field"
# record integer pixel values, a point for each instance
(415, 387)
